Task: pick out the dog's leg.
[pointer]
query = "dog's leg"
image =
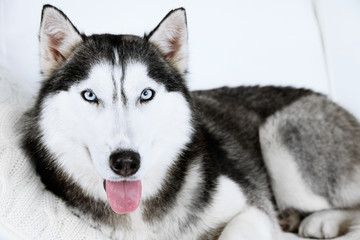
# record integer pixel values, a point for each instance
(328, 223)
(252, 224)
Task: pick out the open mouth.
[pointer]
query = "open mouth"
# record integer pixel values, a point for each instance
(123, 196)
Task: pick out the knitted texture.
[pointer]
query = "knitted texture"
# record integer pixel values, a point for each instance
(25, 206)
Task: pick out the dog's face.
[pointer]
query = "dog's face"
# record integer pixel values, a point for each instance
(114, 108)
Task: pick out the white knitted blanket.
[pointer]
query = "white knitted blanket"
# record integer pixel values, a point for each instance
(26, 208)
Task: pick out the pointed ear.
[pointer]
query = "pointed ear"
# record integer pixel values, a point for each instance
(170, 36)
(58, 37)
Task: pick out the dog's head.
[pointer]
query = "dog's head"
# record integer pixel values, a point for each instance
(113, 108)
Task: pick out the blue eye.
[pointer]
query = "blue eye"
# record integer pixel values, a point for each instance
(146, 95)
(89, 96)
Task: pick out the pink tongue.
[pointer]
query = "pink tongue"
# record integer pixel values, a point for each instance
(124, 197)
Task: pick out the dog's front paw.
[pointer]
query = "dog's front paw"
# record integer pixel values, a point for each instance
(324, 224)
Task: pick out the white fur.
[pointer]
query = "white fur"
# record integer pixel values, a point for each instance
(328, 223)
(228, 201)
(349, 191)
(117, 60)
(288, 185)
(252, 224)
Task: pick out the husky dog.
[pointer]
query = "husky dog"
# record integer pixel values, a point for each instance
(116, 133)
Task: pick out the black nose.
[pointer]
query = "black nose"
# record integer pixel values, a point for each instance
(125, 162)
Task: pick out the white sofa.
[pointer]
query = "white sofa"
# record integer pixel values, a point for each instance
(302, 43)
